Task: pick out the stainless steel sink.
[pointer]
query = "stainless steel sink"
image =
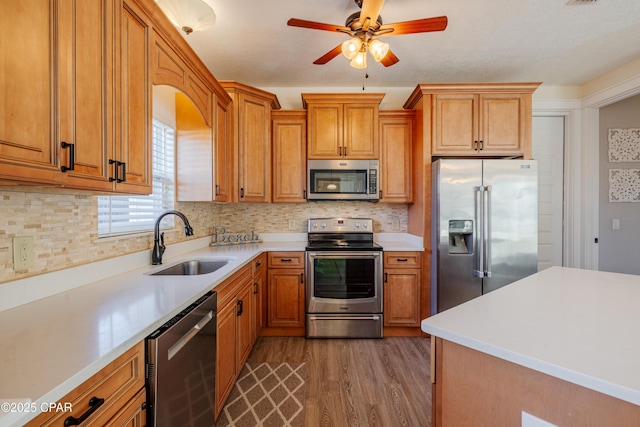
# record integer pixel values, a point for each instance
(193, 267)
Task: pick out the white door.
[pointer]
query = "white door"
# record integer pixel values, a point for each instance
(548, 150)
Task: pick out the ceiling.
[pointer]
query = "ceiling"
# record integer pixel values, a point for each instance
(485, 41)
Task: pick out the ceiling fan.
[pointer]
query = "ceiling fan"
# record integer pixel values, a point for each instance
(364, 27)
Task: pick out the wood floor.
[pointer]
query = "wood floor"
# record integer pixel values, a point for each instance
(358, 382)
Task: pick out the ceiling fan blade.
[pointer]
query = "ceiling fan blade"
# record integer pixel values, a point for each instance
(389, 59)
(425, 25)
(370, 9)
(329, 55)
(293, 22)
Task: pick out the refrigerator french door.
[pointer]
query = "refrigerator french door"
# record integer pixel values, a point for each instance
(484, 227)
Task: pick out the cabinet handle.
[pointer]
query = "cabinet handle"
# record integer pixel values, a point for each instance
(258, 263)
(475, 145)
(124, 172)
(340, 151)
(386, 277)
(240, 308)
(481, 145)
(345, 150)
(115, 171)
(301, 277)
(304, 194)
(72, 157)
(255, 288)
(94, 403)
(402, 259)
(285, 259)
(380, 195)
(242, 193)
(217, 189)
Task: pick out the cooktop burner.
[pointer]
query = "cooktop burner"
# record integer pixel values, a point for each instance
(341, 234)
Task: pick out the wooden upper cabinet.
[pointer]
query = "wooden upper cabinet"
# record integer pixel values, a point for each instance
(396, 134)
(28, 145)
(224, 185)
(342, 125)
(289, 156)
(252, 138)
(478, 119)
(132, 150)
(76, 105)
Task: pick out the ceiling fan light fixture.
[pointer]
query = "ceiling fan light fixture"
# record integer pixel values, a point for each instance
(360, 60)
(378, 49)
(351, 47)
(188, 15)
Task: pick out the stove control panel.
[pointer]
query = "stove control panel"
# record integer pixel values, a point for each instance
(340, 225)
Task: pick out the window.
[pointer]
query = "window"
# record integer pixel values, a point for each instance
(131, 214)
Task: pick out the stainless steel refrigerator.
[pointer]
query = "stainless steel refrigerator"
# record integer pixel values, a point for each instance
(484, 227)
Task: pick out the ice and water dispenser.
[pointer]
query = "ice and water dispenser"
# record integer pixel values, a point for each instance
(460, 236)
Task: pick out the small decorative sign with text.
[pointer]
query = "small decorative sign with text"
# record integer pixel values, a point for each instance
(221, 238)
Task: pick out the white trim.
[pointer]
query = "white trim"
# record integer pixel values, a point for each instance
(615, 93)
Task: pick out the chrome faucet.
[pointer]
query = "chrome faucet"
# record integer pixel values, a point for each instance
(158, 238)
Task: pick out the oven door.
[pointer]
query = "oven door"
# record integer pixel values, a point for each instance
(344, 282)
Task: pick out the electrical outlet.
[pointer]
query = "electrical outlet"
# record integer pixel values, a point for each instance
(292, 224)
(22, 252)
(395, 224)
(615, 224)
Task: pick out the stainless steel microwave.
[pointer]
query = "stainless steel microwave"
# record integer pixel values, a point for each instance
(343, 179)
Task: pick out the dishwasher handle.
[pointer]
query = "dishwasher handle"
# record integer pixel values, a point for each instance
(175, 348)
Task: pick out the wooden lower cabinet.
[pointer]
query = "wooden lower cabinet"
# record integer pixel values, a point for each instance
(285, 294)
(259, 273)
(235, 331)
(402, 292)
(475, 388)
(120, 384)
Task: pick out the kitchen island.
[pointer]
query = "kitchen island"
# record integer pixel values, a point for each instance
(560, 345)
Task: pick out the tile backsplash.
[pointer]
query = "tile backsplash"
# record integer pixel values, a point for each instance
(63, 224)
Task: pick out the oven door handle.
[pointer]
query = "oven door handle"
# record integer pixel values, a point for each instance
(182, 341)
(374, 317)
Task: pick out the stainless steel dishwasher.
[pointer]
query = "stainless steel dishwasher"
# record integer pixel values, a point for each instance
(181, 366)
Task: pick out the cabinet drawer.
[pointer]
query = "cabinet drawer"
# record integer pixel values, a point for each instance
(228, 289)
(286, 260)
(116, 383)
(402, 259)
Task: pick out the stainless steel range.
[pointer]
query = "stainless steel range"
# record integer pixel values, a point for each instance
(344, 279)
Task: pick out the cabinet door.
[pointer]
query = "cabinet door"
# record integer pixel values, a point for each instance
(395, 160)
(28, 150)
(289, 157)
(455, 124)
(133, 145)
(360, 131)
(226, 353)
(325, 127)
(223, 188)
(133, 414)
(402, 297)
(254, 150)
(504, 124)
(85, 73)
(286, 298)
(246, 320)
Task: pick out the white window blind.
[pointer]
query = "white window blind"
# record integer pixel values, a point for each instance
(131, 214)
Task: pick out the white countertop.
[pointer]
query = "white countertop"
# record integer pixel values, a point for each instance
(61, 328)
(50, 346)
(581, 326)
